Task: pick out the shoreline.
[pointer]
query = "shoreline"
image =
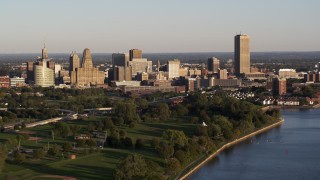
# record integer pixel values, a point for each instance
(196, 168)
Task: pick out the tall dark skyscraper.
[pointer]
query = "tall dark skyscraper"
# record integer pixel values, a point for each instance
(241, 54)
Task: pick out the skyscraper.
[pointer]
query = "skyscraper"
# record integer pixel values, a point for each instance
(74, 61)
(121, 67)
(86, 75)
(44, 71)
(213, 64)
(135, 53)
(241, 54)
(173, 68)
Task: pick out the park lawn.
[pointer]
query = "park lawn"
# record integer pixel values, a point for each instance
(94, 166)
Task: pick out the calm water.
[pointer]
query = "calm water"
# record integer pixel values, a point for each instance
(291, 151)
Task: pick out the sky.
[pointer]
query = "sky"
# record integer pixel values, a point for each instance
(108, 26)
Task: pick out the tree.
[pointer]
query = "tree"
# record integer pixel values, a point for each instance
(176, 137)
(3, 156)
(39, 153)
(139, 144)
(91, 143)
(128, 142)
(161, 111)
(67, 146)
(54, 150)
(173, 166)
(166, 150)
(19, 157)
(182, 156)
(132, 167)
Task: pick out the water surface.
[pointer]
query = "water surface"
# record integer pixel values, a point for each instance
(291, 151)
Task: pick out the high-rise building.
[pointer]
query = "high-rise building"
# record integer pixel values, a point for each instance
(279, 86)
(30, 72)
(241, 54)
(140, 65)
(74, 61)
(121, 67)
(173, 68)
(213, 64)
(44, 70)
(86, 75)
(135, 53)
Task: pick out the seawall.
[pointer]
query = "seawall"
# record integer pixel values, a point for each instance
(228, 145)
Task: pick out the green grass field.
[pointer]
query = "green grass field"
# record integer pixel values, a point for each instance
(100, 165)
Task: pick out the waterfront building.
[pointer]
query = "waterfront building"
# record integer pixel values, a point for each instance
(173, 68)
(279, 86)
(213, 64)
(87, 75)
(242, 54)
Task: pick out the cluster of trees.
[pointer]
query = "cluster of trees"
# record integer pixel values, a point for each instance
(61, 129)
(137, 167)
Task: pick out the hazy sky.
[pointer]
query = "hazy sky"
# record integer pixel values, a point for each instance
(158, 25)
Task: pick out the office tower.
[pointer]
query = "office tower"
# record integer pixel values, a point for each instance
(279, 86)
(173, 68)
(44, 70)
(120, 59)
(43, 75)
(241, 54)
(213, 64)
(122, 71)
(30, 72)
(135, 53)
(86, 75)
(74, 61)
(140, 65)
(222, 74)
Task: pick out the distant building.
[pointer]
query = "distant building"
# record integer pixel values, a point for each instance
(74, 62)
(312, 77)
(17, 82)
(86, 75)
(279, 86)
(44, 70)
(287, 73)
(241, 54)
(135, 53)
(139, 65)
(122, 71)
(143, 76)
(173, 68)
(213, 64)
(4, 82)
(222, 74)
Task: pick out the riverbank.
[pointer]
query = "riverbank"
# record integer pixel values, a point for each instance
(228, 145)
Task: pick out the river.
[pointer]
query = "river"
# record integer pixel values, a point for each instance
(291, 151)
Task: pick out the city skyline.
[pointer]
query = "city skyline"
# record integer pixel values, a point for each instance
(158, 27)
